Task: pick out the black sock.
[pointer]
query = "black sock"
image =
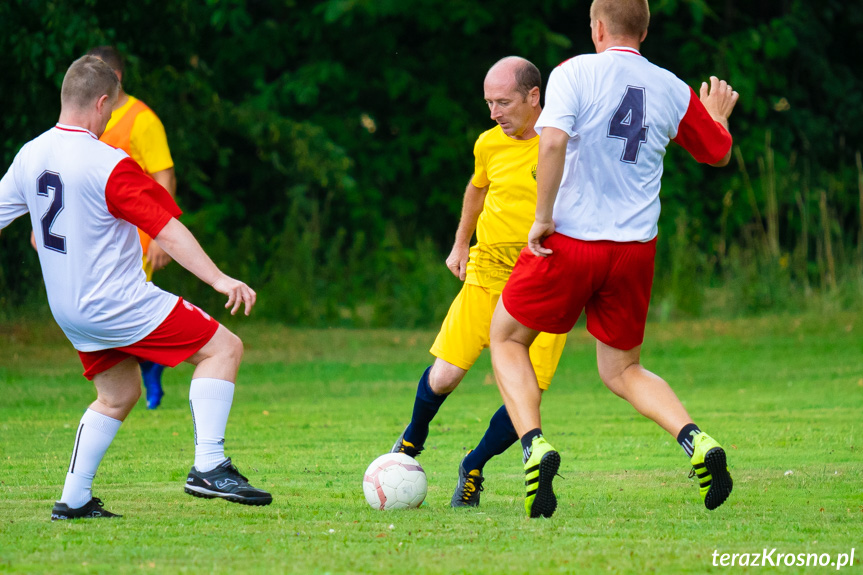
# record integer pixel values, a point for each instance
(685, 437)
(497, 439)
(426, 405)
(527, 441)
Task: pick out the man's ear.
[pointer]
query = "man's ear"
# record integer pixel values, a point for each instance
(103, 101)
(533, 96)
(598, 30)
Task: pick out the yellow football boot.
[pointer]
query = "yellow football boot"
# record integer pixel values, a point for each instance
(539, 472)
(708, 463)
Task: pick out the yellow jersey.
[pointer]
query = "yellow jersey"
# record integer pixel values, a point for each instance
(508, 168)
(135, 129)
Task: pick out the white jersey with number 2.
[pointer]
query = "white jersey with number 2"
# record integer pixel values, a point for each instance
(620, 112)
(86, 200)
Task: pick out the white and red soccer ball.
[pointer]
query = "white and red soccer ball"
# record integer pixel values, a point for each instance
(395, 481)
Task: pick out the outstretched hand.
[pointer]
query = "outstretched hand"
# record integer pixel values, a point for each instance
(719, 99)
(538, 232)
(238, 293)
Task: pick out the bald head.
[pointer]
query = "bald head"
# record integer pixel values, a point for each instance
(87, 80)
(517, 70)
(511, 89)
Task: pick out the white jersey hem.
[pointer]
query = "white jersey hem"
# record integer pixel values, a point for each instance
(142, 334)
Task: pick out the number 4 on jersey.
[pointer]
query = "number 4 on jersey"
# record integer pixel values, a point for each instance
(627, 123)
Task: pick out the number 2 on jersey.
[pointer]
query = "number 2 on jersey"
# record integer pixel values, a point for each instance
(51, 182)
(627, 123)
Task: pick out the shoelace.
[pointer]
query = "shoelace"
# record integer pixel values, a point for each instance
(232, 467)
(471, 485)
(237, 471)
(692, 473)
(413, 450)
(98, 502)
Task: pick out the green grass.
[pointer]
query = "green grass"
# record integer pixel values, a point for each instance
(313, 408)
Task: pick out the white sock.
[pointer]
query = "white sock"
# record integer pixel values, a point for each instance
(95, 434)
(210, 401)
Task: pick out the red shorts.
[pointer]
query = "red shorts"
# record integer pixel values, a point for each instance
(611, 281)
(186, 330)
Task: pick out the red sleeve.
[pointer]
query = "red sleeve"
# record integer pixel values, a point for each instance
(700, 135)
(134, 196)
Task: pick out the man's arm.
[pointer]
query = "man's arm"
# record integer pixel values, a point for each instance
(719, 102)
(703, 130)
(181, 245)
(549, 173)
(168, 180)
(135, 197)
(12, 202)
(474, 199)
(155, 254)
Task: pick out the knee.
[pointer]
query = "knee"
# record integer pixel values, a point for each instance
(234, 347)
(132, 396)
(226, 346)
(121, 399)
(605, 375)
(444, 377)
(613, 384)
(615, 379)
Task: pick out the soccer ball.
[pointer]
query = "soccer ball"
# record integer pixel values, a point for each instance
(395, 481)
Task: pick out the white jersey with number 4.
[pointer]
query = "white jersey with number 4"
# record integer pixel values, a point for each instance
(620, 112)
(86, 200)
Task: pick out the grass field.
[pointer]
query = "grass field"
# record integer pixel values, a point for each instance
(313, 408)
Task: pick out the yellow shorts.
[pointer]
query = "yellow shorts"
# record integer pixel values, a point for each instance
(464, 334)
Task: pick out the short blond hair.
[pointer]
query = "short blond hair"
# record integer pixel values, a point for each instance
(87, 80)
(622, 17)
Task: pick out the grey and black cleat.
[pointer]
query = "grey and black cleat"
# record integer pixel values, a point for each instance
(406, 447)
(468, 489)
(92, 509)
(227, 483)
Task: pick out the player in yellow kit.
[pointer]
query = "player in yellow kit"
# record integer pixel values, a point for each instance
(135, 129)
(499, 204)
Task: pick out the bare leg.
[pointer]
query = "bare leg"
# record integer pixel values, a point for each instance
(516, 379)
(622, 373)
(220, 357)
(444, 376)
(117, 389)
(433, 388)
(211, 395)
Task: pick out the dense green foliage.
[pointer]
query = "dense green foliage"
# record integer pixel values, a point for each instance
(322, 147)
(314, 408)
